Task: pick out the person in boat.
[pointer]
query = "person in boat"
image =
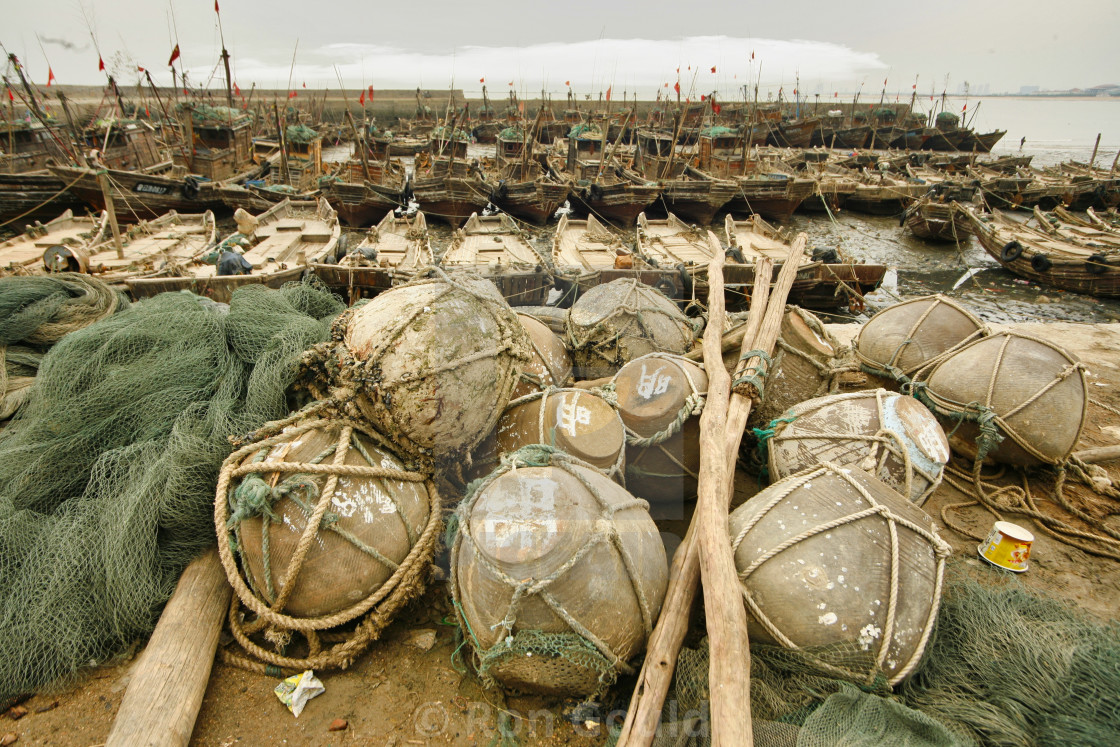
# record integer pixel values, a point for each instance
(231, 261)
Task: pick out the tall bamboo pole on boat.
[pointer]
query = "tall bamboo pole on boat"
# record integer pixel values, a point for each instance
(668, 173)
(1094, 156)
(614, 146)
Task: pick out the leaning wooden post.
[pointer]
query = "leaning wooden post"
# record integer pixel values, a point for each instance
(644, 712)
(103, 180)
(728, 680)
(169, 679)
(1093, 157)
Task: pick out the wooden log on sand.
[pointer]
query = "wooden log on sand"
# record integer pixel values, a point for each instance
(169, 679)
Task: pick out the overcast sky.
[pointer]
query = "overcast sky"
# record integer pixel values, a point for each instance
(833, 46)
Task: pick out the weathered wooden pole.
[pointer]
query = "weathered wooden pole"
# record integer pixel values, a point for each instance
(103, 181)
(728, 679)
(668, 635)
(1094, 156)
(169, 679)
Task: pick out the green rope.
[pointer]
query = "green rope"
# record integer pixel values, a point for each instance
(765, 434)
(255, 497)
(757, 374)
(987, 421)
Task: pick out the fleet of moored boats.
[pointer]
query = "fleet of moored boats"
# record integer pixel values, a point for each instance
(165, 180)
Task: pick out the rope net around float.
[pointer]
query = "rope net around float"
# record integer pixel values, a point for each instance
(577, 661)
(107, 474)
(243, 492)
(1005, 667)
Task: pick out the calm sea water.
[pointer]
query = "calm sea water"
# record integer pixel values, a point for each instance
(1056, 130)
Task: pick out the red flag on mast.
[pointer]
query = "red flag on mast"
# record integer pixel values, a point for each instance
(50, 75)
(370, 97)
(482, 80)
(174, 56)
(608, 93)
(713, 68)
(216, 6)
(100, 63)
(362, 99)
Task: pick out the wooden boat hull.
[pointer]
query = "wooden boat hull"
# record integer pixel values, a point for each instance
(696, 202)
(940, 140)
(1071, 274)
(138, 197)
(452, 199)
(669, 281)
(818, 285)
(355, 282)
(359, 204)
(982, 142)
(619, 203)
(26, 198)
(534, 201)
(793, 134)
(852, 137)
(487, 132)
(217, 288)
(937, 222)
(775, 202)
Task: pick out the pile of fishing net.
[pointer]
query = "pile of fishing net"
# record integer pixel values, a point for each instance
(107, 474)
(205, 114)
(300, 133)
(1005, 667)
(35, 313)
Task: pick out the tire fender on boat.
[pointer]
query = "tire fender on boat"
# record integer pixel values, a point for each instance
(1012, 250)
(1096, 264)
(1041, 263)
(190, 188)
(666, 286)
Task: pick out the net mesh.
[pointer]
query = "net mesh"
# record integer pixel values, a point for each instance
(35, 312)
(107, 475)
(1005, 667)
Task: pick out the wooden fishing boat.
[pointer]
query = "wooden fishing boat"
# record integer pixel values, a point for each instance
(34, 196)
(832, 188)
(686, 191)
(497, 249)
(1081, 233)
(1046, 259)
(157, 247)
(761, 186)
(444, 183)
(585, 253)
(522, 186)
(980, 142)
(794, 133)
(284, 242)
(824, 281)
(221, 151)
(883, 194)
(26, 253)
(599, 184)
(390, 253)
(365, 189)
(935, 218)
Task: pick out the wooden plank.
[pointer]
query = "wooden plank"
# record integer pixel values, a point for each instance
(169, 679)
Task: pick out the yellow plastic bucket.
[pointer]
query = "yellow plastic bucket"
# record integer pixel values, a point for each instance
(1007, 546)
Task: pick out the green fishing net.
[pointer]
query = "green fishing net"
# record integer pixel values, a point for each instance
(36, 311)
(107, 474)
(1005, 667)
(205, 114)
(300, 133)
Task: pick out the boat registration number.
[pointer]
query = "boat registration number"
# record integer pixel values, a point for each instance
(152, 189)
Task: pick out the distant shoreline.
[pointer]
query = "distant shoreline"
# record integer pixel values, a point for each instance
(1037, 97)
